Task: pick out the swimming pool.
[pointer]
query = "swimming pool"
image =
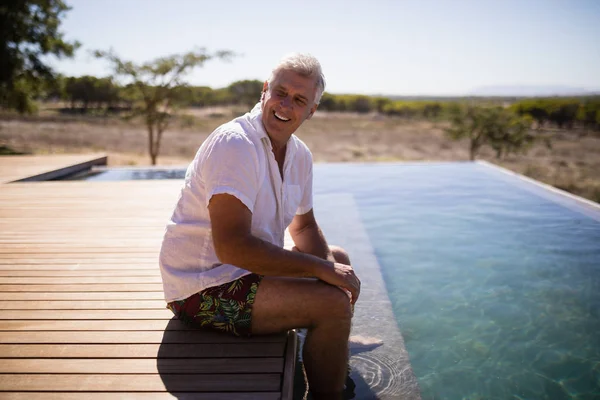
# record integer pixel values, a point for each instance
(493, 281)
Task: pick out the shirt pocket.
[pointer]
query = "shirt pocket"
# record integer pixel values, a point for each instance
(292, 198)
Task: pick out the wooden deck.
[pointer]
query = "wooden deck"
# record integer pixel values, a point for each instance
(43, 168)
(82, 314)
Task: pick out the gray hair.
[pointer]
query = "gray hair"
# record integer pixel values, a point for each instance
(305, 65)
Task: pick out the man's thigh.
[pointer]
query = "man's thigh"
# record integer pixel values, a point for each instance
(286, 303)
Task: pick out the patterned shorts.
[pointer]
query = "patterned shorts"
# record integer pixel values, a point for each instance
(226, 308)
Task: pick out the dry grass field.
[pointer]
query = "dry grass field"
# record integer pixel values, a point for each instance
(573, 162)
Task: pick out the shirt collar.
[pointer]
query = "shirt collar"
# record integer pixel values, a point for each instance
(255, 119)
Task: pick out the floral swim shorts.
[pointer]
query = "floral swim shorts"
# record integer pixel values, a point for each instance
(226, 308)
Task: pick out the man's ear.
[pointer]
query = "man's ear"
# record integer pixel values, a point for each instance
(264, 90)
(312, 111)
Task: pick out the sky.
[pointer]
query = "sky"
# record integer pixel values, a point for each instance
(392, 47)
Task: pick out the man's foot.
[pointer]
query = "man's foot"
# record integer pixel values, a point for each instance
(360, 344)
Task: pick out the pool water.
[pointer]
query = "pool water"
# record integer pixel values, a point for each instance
(129, 174)
(493, 281)
(495, 287)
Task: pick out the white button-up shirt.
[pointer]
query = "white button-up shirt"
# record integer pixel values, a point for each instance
(236, 159)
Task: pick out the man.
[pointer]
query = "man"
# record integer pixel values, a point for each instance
(250, 180)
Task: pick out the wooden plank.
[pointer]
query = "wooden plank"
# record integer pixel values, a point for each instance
(102, 238)
(99, 258)
(131, 287)
(80, 251)
(80, 262)
(122, 226)
(141, 383)
(44, 280)
(82, 244)
(93, 325)
(141, 350)
(138, 337)
(27, 296)
(42, 266)
(62, 212)
(154, 272)
(86, 314)
(83, 305)
(139, 396)
(142, 366)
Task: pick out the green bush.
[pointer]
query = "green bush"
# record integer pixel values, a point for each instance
(561, 112)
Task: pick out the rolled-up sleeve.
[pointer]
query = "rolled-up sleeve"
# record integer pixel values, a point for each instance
(230, 166)
(306, 204)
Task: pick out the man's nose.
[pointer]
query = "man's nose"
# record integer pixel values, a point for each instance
(286, 102)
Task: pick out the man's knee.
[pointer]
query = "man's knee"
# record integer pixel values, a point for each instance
(340, 255)
(338, 304)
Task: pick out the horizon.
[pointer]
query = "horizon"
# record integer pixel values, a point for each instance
(453, 49)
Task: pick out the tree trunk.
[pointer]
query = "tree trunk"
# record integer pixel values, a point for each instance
(157, 145)
(151, 142)
(473, 150)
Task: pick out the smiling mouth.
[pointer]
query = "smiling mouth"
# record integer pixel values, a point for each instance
(279, 117)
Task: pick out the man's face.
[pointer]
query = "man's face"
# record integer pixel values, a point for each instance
(286, 104)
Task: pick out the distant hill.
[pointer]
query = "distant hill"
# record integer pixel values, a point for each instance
(532, 91)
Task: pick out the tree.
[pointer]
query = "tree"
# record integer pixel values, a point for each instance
(158, 84)
(537, 109)
(195, 96)
(564, 113)
(507, 133)
(91, 90)
(499, 128)
(381, 103)
(328, 102)
(80, 89)
(361, 104)
(246, 92)
(432, 110)
(29, 31)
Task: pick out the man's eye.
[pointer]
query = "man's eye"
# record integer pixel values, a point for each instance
(300, 101)
(282, 94)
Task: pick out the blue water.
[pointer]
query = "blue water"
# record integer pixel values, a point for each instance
(495, 288)
(494, 283)
(129, 174)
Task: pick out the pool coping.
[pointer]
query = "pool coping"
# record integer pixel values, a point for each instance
(559, 196)
(384, 368)
(59, 167)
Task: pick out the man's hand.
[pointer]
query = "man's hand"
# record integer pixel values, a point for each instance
(348, 276)
(343, 276)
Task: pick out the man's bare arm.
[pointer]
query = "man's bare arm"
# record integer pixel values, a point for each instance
(234, 244)
(308, 237)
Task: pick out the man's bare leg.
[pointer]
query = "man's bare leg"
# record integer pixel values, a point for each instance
(288, 303)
